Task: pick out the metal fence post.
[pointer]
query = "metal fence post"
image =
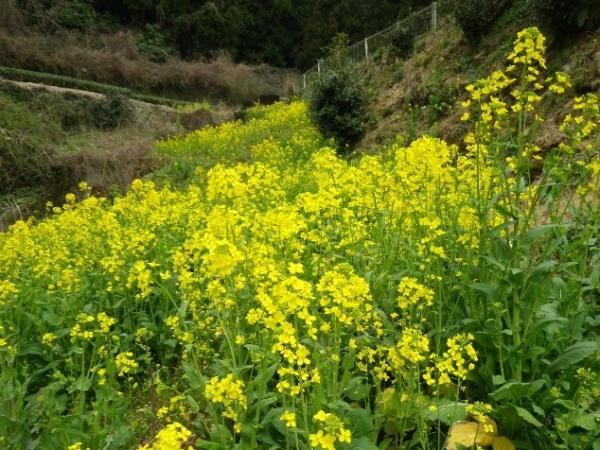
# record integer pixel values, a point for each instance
(366, 48)
(434, 16)
(319, 67)
(304, 80)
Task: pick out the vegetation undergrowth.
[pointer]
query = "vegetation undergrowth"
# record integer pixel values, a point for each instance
(426, 297)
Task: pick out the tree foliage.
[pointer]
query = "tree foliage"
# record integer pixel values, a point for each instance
(338, 103)
(475, 17)
(571, 16)
(280, 32)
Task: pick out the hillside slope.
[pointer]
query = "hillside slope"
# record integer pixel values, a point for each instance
(422, 94)
(51, 138)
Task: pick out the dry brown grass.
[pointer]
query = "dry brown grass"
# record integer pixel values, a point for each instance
(11, 17)
(115, 59)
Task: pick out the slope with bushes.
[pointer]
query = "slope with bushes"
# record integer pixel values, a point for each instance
(52, 138)
(421, 93)
(59, 41)
(280, 296)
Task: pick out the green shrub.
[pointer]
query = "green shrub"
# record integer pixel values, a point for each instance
(475, 17)
(76, 14)
(112, 112)
(154, 44)
(338, 103)
(403, 40)
(24, 151)
(567, 15)
(339, 108)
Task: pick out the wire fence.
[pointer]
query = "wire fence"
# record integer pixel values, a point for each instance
(410, 27)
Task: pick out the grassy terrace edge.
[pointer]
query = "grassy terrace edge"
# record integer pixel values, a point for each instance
(15, 74)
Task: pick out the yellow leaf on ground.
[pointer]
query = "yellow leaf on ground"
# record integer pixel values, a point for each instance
(503, 443)
(468, 434)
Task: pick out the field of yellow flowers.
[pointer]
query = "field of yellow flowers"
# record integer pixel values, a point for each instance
(277, 296)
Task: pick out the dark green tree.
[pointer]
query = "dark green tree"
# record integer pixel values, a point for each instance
(338, 104)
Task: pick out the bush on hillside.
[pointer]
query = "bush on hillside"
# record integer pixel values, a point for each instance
(111, 112)
(403, 40)
(567, 15)
(338, 103)
(154, 45)
(76, 14)
(339, 108)
(24, 152)
(475, 17)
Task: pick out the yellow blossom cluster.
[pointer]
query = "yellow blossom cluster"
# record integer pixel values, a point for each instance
(86, 327)
(172, 437)
(229, 393)
(455, 363)
(480, 412)
(125, 363)
(331, 430)
(412, 293)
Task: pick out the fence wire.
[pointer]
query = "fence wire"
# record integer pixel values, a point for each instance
(392, 38)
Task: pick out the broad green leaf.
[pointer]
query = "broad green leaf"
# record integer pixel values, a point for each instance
(527, 416)
(359, 421)
(447, 411)
(515, 391)
(83, 384)
(486, 288)
(362, 443)
(536, 233)
(192, 404)
(498, 379)
(572, 355)
(504, 211)
(588, 421)
(208, 445)
(357, 389)
(544, 267)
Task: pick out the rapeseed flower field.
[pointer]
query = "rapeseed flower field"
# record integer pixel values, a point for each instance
(276, 295)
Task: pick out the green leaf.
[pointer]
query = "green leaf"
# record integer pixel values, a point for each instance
(192, 404)
(34, 349)
(536, 233)
(357, 389)
(486, 288)
(83, 384)
(193, 374)
(52, 319)
(359, 420)
(498, 379)
(503, 210)
(448, 412)
(208, 445)
(362, 443)
(544, 267)
(514, 391)
(572, 355)
(527, 417)
(587, 421)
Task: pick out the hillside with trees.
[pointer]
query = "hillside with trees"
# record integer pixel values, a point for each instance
(286, 33)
